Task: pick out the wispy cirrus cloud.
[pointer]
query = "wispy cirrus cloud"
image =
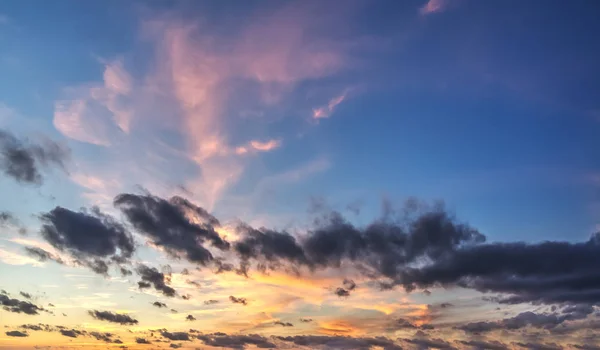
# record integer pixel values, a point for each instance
(188, 92)
(327, 110)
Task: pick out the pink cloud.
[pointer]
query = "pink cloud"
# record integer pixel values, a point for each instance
(189, 92)
(327, 110)
(92, 111)
(433, 6)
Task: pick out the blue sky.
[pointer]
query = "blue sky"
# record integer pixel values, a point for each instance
(257, 110)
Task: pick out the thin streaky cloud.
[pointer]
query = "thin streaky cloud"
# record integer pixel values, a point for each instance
(327, 110)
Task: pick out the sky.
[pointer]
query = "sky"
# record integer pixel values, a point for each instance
(300, 174)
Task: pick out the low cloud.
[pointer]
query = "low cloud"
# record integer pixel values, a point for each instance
(176, 335)
(16, 334)
(112, 317)
(236, 341)
(19, 306)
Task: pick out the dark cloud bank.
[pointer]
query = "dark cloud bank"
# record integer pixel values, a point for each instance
(422, 248)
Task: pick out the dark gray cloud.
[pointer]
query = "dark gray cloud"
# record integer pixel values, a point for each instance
(485, 345)
(168, 225)
(24, 161)
(236, 341)
(306, 320)
(341, 292)
(142, 341)
(176, 335)
(125, 272)
(38, 327)
(152, 277)
(158, 304)
(71, 333)
(104, 336)
(585, 347)
(25, 295)
(283, 324)
(235, 300)
(348, 286)
(211, 302)
(190, 318)
(548, 272)
(112, 317)
(540, 346)
(429, 343)
(92, 237)
(175, 346)
(16, 334)
(19, 306)
(531, 319)
(340, 342)
(42, 255)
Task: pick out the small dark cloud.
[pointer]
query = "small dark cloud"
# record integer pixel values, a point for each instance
(168, 225)
(539, 346)
(105, 337)
(175, 346)
(37, 327)
(185, 272)
(24, 161)
(223, 340)
(306, 320)
(112, 317)
(125, 272)
(349, 284)
(50, 305)
(16, 334)
(283, 324)
(488, 345)
(159, 304)
(341, 292)
(142, 341)
(71, 333)
(235, 300)
(404, 323)
(428, 343)
(190, 318)
(341, 342)
(151, 276)
(211, 302)
(175, 335)
(186, 297)
(445, 305)
(19, 306)
(92, 237)
(25, 295)
(193, 283)
(174, 311)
